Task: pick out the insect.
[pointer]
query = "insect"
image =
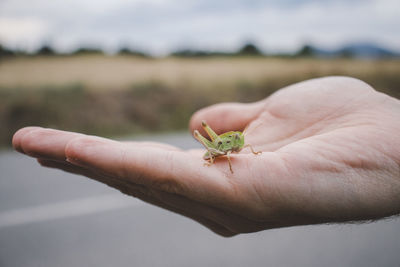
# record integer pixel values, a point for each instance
(221, 145)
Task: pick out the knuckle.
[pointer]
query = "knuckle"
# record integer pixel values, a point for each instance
(75, 144)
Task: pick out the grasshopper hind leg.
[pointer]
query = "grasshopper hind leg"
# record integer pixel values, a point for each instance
(207, 145)
(252, 150)
(229, 160)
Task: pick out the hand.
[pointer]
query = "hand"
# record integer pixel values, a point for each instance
(331, 153)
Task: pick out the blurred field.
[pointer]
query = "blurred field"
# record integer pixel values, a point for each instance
(115, 95)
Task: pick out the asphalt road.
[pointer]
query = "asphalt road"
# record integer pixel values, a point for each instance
(51, 218)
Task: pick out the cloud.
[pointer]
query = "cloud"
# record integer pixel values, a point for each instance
(160, 26)
(23, 33)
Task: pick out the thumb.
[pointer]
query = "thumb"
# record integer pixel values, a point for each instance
(226, 117)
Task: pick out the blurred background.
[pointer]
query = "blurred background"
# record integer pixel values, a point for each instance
(125, 67)
(138, 70)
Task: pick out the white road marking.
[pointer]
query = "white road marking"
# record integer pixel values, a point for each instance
(71, 208)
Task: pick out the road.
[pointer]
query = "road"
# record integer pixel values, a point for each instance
(52, 218)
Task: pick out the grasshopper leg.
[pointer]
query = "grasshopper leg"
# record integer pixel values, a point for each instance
(206, 143)
(252, 150)
(209, 131)
(229, 160)
(211, 160)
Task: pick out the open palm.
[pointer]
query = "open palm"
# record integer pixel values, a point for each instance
(330, 154)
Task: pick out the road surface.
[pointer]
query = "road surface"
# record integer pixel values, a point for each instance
(52, 218)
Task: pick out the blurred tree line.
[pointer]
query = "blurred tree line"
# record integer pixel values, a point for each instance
(248, 49)
(363, 50)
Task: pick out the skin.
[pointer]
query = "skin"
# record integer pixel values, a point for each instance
(331, 153)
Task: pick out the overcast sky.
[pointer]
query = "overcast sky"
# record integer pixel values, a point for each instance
(161, 26)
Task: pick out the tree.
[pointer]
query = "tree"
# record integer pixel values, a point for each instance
(45, 50)
(305, 51)
(129, 52)
(4, 52)
(249, 49)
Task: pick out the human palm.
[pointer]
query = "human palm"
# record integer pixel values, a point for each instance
(330, 154)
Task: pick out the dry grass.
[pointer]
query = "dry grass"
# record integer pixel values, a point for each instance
(119, 95)
(116, 72)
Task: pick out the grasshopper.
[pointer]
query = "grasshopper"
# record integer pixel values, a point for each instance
(221, 145)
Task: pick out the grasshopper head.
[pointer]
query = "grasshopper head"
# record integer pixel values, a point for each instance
(230, 141)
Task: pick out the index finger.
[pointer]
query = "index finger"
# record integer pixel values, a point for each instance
(154, 166)
(177, 172)
(42, 143)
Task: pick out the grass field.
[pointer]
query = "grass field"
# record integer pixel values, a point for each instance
(115, 95)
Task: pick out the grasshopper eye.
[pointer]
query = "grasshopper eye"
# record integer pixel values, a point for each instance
(228, 141)
(219, 143)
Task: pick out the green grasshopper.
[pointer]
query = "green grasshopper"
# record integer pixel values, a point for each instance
(221, 145)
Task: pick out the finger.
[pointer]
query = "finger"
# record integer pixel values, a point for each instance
(50, 143)
(170, 171)
(16, 140)
(226, 116)
(46, 143)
